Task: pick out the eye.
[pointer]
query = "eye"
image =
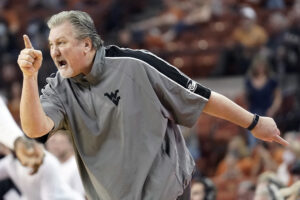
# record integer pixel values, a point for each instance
(60, 43)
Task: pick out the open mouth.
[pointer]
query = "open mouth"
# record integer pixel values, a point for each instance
(62, 63)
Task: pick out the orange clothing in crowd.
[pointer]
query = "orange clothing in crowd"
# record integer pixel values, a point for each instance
(254, 37)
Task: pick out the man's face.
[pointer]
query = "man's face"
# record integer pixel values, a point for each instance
(66, 51)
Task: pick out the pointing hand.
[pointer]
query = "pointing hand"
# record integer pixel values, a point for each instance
(267, 130)
(29, 60)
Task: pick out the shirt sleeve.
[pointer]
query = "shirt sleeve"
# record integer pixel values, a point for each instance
(52, 105)
(182, 97)
(9, 130)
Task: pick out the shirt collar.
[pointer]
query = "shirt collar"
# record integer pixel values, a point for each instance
(94, 76)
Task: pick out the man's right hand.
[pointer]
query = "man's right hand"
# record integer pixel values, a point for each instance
(29, 60)
(266, 129)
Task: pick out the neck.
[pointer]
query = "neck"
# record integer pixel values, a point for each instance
(90, 61)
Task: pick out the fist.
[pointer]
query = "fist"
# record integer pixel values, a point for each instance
(29, 60)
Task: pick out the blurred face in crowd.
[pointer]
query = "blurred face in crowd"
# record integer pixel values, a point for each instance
(60, 146)
(68, 53)
(197, 191)
(247, 24)
(31, 157)
(260, 69)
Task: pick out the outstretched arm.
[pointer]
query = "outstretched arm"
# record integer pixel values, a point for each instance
(222, 107)
(34, 121)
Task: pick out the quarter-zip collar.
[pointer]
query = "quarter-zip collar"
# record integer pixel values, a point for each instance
(94, 76)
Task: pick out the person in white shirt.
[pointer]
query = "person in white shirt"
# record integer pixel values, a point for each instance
(35, 172)
(60, 145)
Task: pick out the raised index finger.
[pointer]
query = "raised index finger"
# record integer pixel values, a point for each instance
(27, 42)
(280, 140)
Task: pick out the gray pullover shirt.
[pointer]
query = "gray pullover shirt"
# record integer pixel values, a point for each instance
(123, 118)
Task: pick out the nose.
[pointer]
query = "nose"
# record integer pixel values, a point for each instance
(54, 51)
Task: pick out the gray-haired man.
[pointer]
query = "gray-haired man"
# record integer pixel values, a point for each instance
(122, 108)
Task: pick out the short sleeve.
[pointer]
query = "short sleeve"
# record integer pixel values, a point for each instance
(183, 102)
(52, 106)
(182, 97)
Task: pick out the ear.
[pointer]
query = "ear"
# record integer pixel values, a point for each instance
(87, 45)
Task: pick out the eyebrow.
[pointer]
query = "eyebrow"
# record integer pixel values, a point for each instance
(59, 38)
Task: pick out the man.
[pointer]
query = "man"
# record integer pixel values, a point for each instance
(122, 108)
(60, 145)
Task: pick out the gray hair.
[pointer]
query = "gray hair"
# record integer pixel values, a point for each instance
(82, 23)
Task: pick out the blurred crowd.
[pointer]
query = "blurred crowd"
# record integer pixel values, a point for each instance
(258, 40)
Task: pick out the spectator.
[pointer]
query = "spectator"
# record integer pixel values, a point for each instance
(263, 159)
(292, 192)
(203, 189)
(262, 91)
(295, 167)
(247, 39)
(170, 15)
(292, 43)
(234, 165)
(246, 190)
(276, 50)
(35, 172)
(195, 12)
(60, 145)
(289, 157)
(268, 187)
(8, 190)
